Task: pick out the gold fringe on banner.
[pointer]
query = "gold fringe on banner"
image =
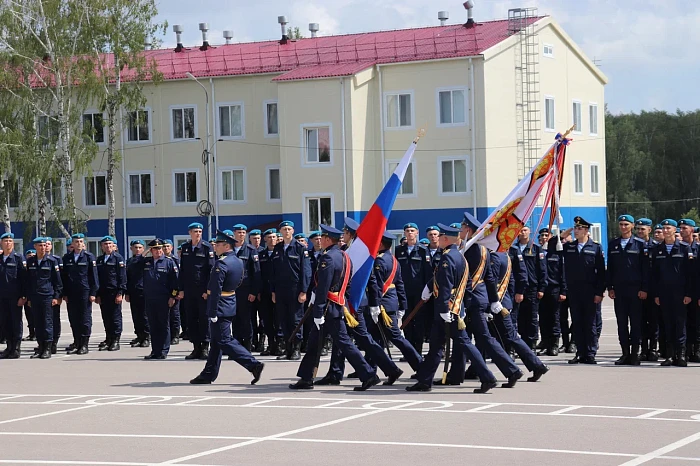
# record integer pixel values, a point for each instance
(349, 318)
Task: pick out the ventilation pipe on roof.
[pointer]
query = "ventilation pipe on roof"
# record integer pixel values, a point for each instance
(283, 25)
(228, 35)
(204, 27)
(313, 28)
(147, 45)
(443, 16)
(469, 5)
(178, 29)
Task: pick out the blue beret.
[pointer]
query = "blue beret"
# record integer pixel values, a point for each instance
(156, 243)
(431, 228)
(388, 237)
(470, 221)
(138, 241)
(7, 235)
(424, 241)
(39, 240)
(213, 240)
(286, 223)
(239, 227)
(299, 236)
(669, 222)
(195, 225)
(314, 234)
(544, 230)
(107, 239)
(643, 222)
(403, 238)
(658, 226)
(581, 222)
(30, 251)
(449, 230)
(48, 238)
(254, 232)
(179, 248)
(687, 221)
(331, 232)
(226, 232)
(167, 241)
(456, 225)
(225, 236)
(351, 225)
(78, 236)
(270, 231)
(625, 218)
(410, 225)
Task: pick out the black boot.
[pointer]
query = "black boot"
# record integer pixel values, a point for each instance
(645, 350)
(287, 351)
(247, 344)
(553, 347)
(624, 360)
(135, 341)
(571, 348)
(145, 341)
(54, 347)
(6, 353)
(694, 354)
(653, 354)
(16, 351)
(38, 351)
(542, 347)
(72, 348)
(83, 349)
(260, 347)
(105, 344)
(681, 361)
(271, 349)
(46, 354)
(296, 351)
(114, 344)
(204, 350)
(564, 342)
(512, 380)
(195, 352)
(668, 361)
(634, 356)
(302, 384)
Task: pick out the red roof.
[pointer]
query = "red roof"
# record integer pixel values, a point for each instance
(331, 55)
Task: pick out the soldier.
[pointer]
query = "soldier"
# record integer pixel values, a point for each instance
(584, 266)
(543, 238)
(111, 274)
(80, 285)
(627, 283)
(197, 261)
(301, 237)
(658, 233)
(567, 340)
(650, 311)
(248, 289)
(687, 227)
(255, 239)
(135, 297)
(425, 242)
(554, 295)
(13, 272)
(435, 253)
(451, 289)
(315, 251)
(160, 278)
(175, 316)
(44, 289)
(526, 310)
(226, 276)
(332, 278)
(29, 253)
(291, 276)
(56, 307)
(267, 307)
(696, 235)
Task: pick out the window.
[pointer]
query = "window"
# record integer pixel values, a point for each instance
(593, 118)
(317, 144)
(399, 112)
(183, 122)
(233, 184)
(11, 190)
(92, 245)
(47, 128)
(231, 120)
(274, 186)
(140, 189)
(185, 191)
(59, 247)
(19, 245)
(594, 179)
(452, 107)
(453, 173)
(96, 190)
(548, 51)
(319, 211)
(577, 116)
(271, 121)
(596, 232)
(178, 240)
(408, 185)
(578, 178)
(138, 126)
(53, 190)
(549, 114)
(93, 127)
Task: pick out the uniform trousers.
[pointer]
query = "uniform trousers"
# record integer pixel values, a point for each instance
(111, 314)
(393, 335)
(415, 330)
(11, 319)
(526, 315)
(80, 314)
(628, 312)
(504, 329)
(550, 326)
(196, 312)
(289, 313)
(564, 324)
(584, 321)
(29, 315)
(674, 313)
(650, 323)
(223, 344)
(158, 313)
(267, 316)
(56, 312)
(243, 327)
(138, 314)
(175, 319)
(693, 323)
(43, 317)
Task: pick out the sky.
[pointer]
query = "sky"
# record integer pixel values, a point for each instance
(648, 49)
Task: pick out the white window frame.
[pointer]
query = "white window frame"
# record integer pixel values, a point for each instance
(265, 104)
(385, 124)
(146, 239)
(305, 197)
(574, 102)
(549, 54)
(63, 194)
(59, 240)
(95, 239)
(19, 246)
(267, 183)
(177, 238)
(92, 111)
(590, 176)
(153, 192)
(96, 206)
(218, 120)
(150, 128)
(221, 184)
(554, 114)
(412, 167)
(302, 138)
(573, 177)
(437, 107)
(397, 234)
(439, 172)
(199, 185)
(597, 120)
(596, 227)
(19, 194)
(172, 122)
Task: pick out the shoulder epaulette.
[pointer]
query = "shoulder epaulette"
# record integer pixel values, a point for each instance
(684, 243)
(640, 240)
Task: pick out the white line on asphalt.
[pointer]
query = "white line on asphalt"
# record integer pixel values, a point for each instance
(481, 408)
(7, 421)
(194, 400)
(565, 410)
(11, 397)
(334, 403)
(61, 400)
(155, 436)
(257, 403)
(651, 413)
(652, 455)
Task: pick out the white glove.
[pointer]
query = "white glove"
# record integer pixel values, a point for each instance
(313, 298)
(374, 311)
(401, 313)
(447, 317)
(496, 307)
(319, 322)
(426, 293)
(213, 319)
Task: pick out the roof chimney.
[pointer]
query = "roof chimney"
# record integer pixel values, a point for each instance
(443, 16)
(283, 25)
(313, 27)
(469, 5)
(228, 35)
(177, 29)
(147, 45)
(204, 27)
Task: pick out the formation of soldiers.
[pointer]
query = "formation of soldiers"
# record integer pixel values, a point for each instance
(282, 294)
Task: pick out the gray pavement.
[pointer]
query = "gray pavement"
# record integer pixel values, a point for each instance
(117, 409)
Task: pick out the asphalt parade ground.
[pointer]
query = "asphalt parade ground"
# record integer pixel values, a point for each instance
(114, 408)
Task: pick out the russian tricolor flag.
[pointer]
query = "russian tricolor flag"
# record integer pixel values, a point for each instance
(364, 248)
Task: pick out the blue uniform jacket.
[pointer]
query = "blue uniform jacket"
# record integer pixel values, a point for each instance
(483, 288)
(416, 268)
(159, 277)
(395, 297)
(499, 266)
(533, 257)
(80, 275)
(585, 270)
(111, 274)
(329, 276)
(195, 266)
(44, 279)
(556, 276)
(628, 267)
(13, 273)
(672, 272)
(134, 276)
(226, 277)
(265, 259)
(291, 269)
(251, 266)
(448, 276)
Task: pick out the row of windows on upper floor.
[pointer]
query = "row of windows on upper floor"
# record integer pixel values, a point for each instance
(577, 116)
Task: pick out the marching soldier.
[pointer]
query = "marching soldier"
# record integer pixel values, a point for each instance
(29, 253)
(627, 283)
(332, 278)
(584, 266)
(255, 240)
(554, 295)
(44, 289)
(160, 279)
(248, 289)
(80, 285)
(267, 307)
(135, 297)
(111, 275)
(435, 252)
(650, 311)
(687, 227)
(227, 274)
(175, 316)
(13, 272)
(56, 307)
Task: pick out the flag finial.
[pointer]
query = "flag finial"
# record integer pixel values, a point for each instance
(419, 134)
